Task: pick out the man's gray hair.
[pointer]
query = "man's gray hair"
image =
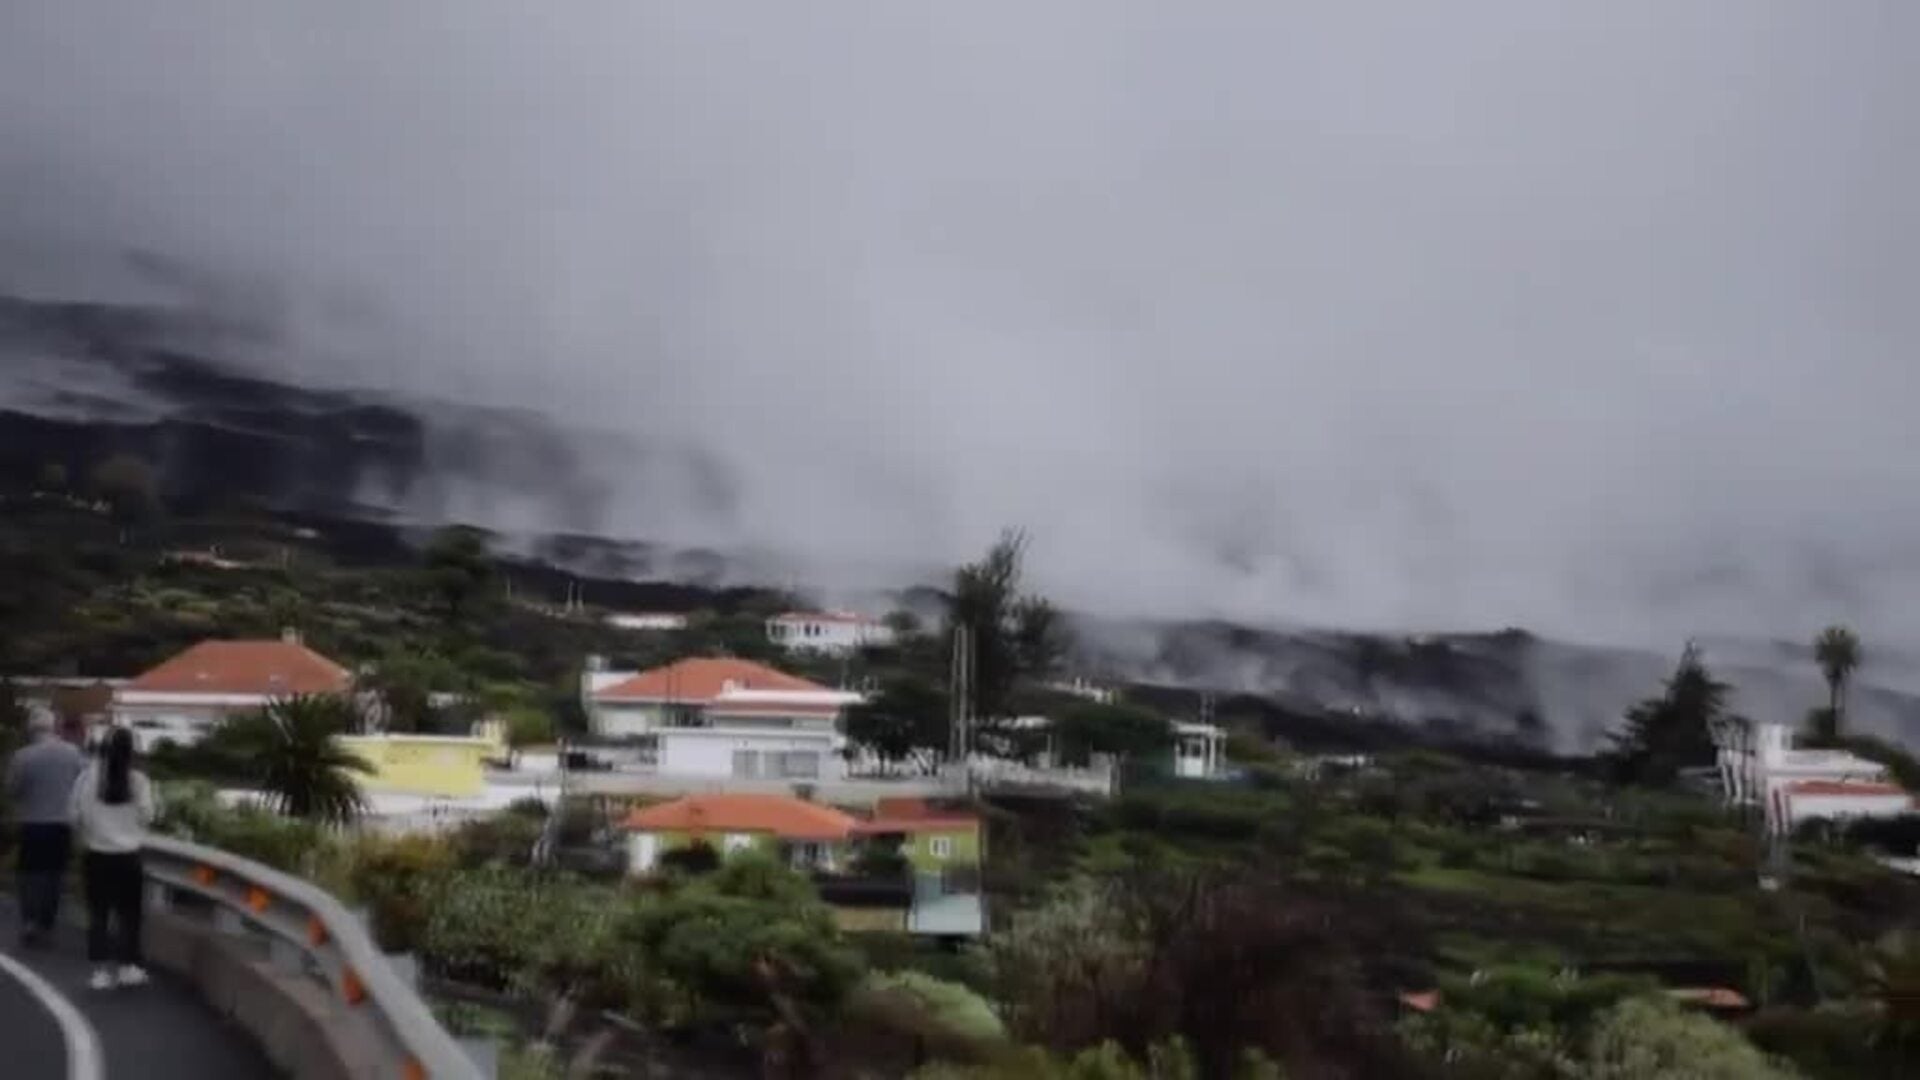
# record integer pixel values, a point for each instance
(40, 720)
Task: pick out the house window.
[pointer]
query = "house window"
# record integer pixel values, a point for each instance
(940, 847)
(746, 764)
(736, 842)
(799, 764)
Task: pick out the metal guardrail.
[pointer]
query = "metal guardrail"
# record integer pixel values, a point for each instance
(309, 932)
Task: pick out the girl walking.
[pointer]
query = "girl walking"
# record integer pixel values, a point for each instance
(111, 807)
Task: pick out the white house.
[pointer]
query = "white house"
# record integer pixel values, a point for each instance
(827, 631)
(1802, 785)
(647, 620)
(721, 718)
(1198, 751)
(1835, 800)
(1082, 687)
(180, 700)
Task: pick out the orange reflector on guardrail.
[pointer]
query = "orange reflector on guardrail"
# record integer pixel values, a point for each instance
(413, 1070)
(204, 875)
(257, 899)
(352, 988)
(316, 931)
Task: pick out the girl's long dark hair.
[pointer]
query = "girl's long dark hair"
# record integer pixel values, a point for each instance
(116, 767)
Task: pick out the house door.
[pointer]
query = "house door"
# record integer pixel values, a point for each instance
(643, 850)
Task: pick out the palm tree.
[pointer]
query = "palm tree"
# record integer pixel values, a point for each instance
(290, 747)
(1837, 649)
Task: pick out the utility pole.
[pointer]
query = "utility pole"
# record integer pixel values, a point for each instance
(961, 703)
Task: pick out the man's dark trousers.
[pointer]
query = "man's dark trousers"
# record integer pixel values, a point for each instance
(44, 850)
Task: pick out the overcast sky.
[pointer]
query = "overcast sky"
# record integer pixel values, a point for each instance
(1599, 318)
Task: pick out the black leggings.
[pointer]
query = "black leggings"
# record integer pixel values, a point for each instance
(114, 907)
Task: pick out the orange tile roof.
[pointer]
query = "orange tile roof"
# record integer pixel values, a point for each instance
(789, 819)
(1843, 787)
(1713, 997)
(911, 815)
(701, 679)
(266, 668)
(902, 806)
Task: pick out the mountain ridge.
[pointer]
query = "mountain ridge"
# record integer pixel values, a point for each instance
(86, 381)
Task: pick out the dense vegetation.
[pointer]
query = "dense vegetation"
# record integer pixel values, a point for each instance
(1209, 930)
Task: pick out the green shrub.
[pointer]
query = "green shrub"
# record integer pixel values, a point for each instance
(512, 929)
(894, 952)
(947, 1019)
(192, 812)
(530, 1063)
(1650, 1038)
(399, 880)
(1836, 1043)
(720, 950)
(498, 839)
(1170, 1060)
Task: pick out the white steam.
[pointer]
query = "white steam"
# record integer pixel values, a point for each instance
(1599, 319)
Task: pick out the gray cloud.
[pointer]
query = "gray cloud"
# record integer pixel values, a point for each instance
(1600, 319)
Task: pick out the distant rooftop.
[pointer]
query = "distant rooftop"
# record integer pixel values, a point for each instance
(264, 668)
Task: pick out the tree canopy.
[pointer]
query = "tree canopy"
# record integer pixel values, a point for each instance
(1673, 731)
(906, 718)
(1016, 637)
(127, 485)
(1837, 650)
(459, 570)
(1116, 729)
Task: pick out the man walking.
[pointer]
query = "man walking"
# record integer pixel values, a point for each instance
(39, 782)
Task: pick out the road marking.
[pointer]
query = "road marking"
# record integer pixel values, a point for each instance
(83, 1043)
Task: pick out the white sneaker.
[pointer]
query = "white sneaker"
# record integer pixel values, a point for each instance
(102, 979)
(133, 975)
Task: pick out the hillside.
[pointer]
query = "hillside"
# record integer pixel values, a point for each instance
(370, 473)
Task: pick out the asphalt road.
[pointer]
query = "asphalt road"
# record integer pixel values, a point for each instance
(162, 1031)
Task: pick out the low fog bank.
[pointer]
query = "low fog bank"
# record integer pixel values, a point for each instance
(1593, 321)
(1489, 683)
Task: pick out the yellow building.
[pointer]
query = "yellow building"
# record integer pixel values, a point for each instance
(445, 766)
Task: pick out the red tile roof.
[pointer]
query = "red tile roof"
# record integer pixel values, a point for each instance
(1421, 1000)
(699, 680)
(265, 668)
(1712, 997)
(913, 815)
(790, 819)
(1844, 787)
